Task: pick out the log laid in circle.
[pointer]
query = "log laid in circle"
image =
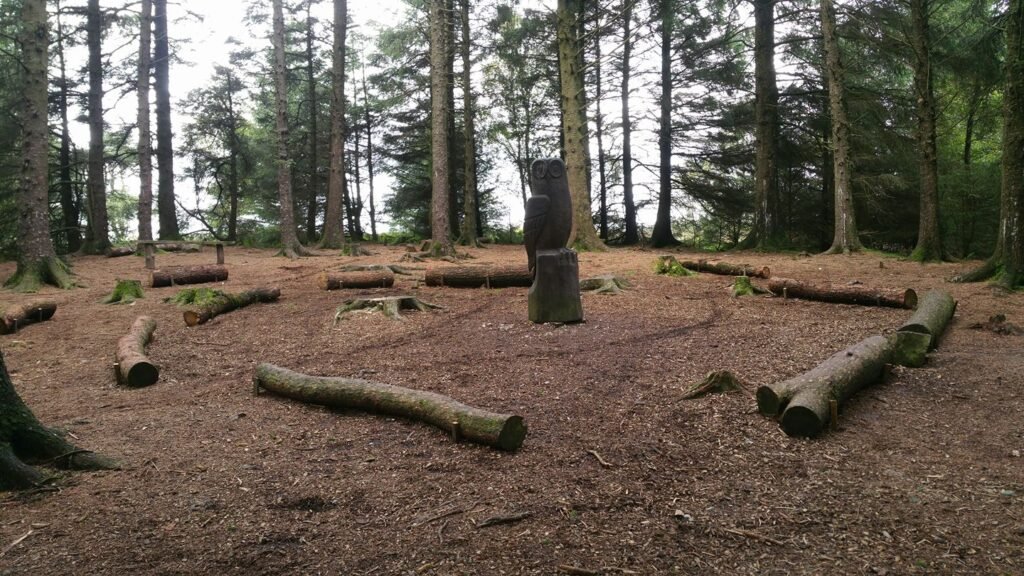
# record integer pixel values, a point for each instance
(934, 312)
(224, 303)
(188, 275)
(726, 269)
(18, 315)
(503, 431)
(134, 368)
(119, 251)
(382, 278)
(862, 295)
(479, 276)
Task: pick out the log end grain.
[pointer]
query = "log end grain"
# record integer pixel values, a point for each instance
(512, 434)
(802, 421)
(192, 318)
(910, 299)
(768, 401)
(141, 374)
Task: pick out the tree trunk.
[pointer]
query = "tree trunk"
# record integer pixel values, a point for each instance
(164, 133)
(334, 233)
(662, 235)
(574, 125)
(369, 158)
(313, 191)
(845, 239)
(357, 205)
(504, 431)
(19, 315)
(860, 295)
(440, 225)
(602, 161)
(97, 235)
(632, 235)
(188, 275)
(470, 213)
(68, 202)
(224, 303)
(233, 154)
(145, 139)
(479, 276)
(289, 238)
(929, 240)
(134, 368)
(726, 269)
(933, 313)
(383, 278)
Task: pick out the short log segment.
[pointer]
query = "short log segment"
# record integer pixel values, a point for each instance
(18, 315)
(188, 275)
(503, 431)
(382, 278)
(726, 269)
(862, 295)
(224, 303)
(479, 276)
(804, 400)
(934, 312)
(119, 251)
(134, 369)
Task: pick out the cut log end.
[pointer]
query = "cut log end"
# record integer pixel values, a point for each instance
(141, 374)
(512, 434)
(802, 421)
(768, 401)
(192, 318)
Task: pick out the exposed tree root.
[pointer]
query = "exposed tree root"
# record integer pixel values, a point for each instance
(997, 323)
(31, 276)
(390, 306)
(607, 284)
(717, 382)
(354, 249)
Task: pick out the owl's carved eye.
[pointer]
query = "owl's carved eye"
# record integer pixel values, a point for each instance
(556, 168)
(539, 169)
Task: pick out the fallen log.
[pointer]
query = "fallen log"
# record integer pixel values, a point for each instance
(479, 276)
(18, 315)
(119, 251)
(134, 369)
(862, 295)
(395, 268)
(933, 313)
(188, 275)
(178, 246)
(383, 278)
(503, 431)
(726, 269)
(667, 265)
(224, 303)
(804, 400)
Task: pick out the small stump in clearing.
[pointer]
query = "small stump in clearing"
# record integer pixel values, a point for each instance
(126, 292)
(390, 306)
(667, 265)
(717, 382)
(608, 284)
(355, 249)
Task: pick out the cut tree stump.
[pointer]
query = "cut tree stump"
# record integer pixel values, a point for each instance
(727, 269)
(354, 249)
(18, 315)
(608, 284)
(125, 292)
(717, 382)
(479, 276)
(119, 251)
(933, 313)
(862, 295)
(224, 303)
(390, 306)
(503, 431)
(667, 265)
(383, 278)
(188, 275)
(134, 368)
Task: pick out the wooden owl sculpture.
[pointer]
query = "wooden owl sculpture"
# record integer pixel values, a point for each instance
(549, 209)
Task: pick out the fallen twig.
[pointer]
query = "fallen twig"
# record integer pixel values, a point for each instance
(16, 542)
(577, 571)
(509, 519)
(753, 535)
(600, 460)
(438, 516)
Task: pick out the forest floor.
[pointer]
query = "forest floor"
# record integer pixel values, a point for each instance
(618, 474)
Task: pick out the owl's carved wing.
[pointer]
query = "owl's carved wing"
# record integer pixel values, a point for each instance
(533, 225)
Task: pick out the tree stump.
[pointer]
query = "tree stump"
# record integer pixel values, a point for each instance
(18, 315)
(720, 381)
(667, 265)
(224, 303)
(933, 313)
(479, 276)
(134, 369)
(503, 431)
(125, 292)
(382, 278)
(188, 275)
(390, 306)
(847, 294)
(555, 293)
(607, 284)
(727, 269)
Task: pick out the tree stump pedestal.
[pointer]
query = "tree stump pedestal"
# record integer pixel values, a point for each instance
(555, 293)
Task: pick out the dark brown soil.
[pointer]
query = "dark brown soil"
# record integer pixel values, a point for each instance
(618, 474)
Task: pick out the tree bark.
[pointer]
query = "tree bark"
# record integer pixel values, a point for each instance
(313, 191)
(289, 238)
(134, 368)
(440, 225)
(860, 295)
(225, 303)
(145, 139)
(334, 222)
(929, 239)
(631, 235)
(479, 276)
(933, 313)
(602, 159)
(188, 275)
(383, 278)
(470, 212)
(164, 132)
(19, 315)
(97, 235)
(662, 235)
(369, 158)
(503, 431)
(727, 269)
(233, 153)
(69, 204)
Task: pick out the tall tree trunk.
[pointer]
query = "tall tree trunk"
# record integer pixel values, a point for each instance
(662, 235)
(845, 239)
(357, 204)
(233, 154)
(631, 236)
(164, 135)
(369, 157)
(37, 261)
(602, 161)
(929, 240)
(313, 191)
(97, 236)
(68, 202)
(334, 233)
(289, 238)
(145, 139)
(574, 125)
(470, 214)
(440, 218)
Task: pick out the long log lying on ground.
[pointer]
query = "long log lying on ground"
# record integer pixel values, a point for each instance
(188, 275)
(934, 312)
(134, 368)
(479, 276)
(18, 315)
(119, 251)
(892, 297)
(726, 269)
(382, 278)
(504, 431)
(225, 303)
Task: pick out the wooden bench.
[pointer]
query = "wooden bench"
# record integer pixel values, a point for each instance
(149, 249)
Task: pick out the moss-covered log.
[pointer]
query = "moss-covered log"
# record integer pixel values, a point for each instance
(134, 368)
(24, 440)
(382, 278)
(18, 315)
(479, 276)
(390, 306)
(804, 400)
(224, 303)
(667, 265)
(933, 313)
(176, 275)
(119, 251)
(726, 269)
(504, 431)
(862, 295)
